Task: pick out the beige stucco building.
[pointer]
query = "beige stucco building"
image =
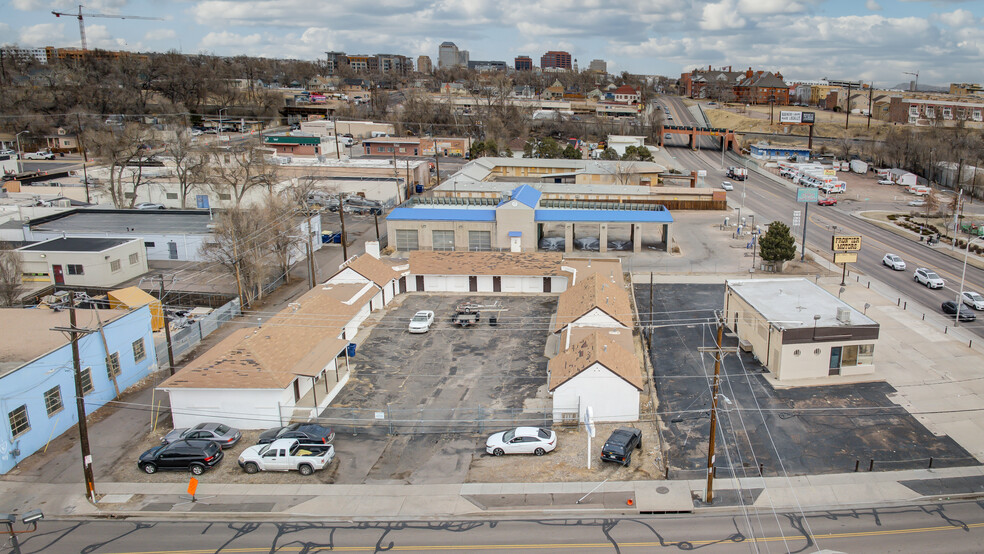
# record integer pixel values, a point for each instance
(88, 261)
(798, 330)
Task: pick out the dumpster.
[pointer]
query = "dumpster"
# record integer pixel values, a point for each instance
(350, 349)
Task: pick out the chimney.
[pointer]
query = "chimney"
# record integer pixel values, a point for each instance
(372, 248)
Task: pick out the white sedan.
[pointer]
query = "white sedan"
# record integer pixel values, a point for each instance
(522, 440)
(974, 300)
(421, 321)
(726, 185)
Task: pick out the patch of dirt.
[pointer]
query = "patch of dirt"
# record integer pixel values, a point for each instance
(568, 462)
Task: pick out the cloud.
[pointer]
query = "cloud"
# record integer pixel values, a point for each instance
(956, 18)
(160, 34)
(873, 6)
(28, 5)
(721, 15)
(42, 33)
(768, 7)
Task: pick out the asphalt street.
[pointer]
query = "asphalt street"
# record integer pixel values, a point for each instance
(772, 201)
(955, 528)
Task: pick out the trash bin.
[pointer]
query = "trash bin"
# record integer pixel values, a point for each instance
(350, 349)
(494, 321)
(420, 189)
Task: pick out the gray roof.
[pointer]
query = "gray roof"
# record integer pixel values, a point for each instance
(792, 303)
(128, 222)
(77, 244)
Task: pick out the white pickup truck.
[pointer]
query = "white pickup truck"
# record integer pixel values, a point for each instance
(287, 455)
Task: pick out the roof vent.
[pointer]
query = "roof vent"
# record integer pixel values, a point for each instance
(844, 315)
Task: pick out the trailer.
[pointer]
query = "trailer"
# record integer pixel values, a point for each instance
(858, 166)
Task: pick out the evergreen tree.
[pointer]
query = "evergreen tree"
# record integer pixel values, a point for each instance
(777, 244)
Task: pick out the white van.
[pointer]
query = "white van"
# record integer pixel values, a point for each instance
(919, 190)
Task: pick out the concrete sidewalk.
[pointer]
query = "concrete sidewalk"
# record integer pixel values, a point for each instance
(480, 500)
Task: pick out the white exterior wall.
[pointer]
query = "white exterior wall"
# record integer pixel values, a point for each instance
(810, 365)
(443, 283)
(596, 318)
(188, 245)
(389, 292)
(611, 398)
(352, 327)
(240, 408)
(558, 284)
(347, 275)
(485, 283)
(96, 271)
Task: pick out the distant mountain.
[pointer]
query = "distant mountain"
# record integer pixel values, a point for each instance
(921, 88)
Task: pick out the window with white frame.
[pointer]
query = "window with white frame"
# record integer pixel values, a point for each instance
(53, 401)
(114, 265)
(113, 365)
(139, 350)
(914, 111)
(947, 113)
(86, 378)
(977, 114)
(134, 258)
(930, 112)
(18, 421)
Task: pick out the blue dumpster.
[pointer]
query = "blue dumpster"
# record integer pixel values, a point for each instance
(350, 350)
(420, 189)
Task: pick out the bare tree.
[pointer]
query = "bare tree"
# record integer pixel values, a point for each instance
(238, 169)
(125, 151)
(240, 237)
(283, 241)
(11, 275)
(190, 164)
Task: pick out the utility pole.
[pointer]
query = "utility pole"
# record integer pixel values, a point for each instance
(396, 176)
(311, 280)
(239, 283)
(76, 333)
(871, 95)
(375, 217)
(437, 163)
(649, 341)
(341, 217)
(85, 160)
(847, 109)
(167, 324)
(718, 354)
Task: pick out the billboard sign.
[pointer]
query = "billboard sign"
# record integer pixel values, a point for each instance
(809, 117)
(807, 194)
(845, 257)
(790, 117)
(850, 243)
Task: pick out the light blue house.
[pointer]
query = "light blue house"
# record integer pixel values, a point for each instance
(37, 382)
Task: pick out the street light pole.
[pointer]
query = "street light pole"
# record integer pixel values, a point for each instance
(963, 274)
(220, 122)
(20, 154)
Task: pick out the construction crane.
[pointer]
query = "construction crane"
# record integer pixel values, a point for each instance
(81, 17)
(916, 74)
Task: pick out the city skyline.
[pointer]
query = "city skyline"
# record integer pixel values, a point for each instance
(879, 40)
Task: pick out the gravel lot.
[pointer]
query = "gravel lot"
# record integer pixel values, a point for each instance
(226, 471)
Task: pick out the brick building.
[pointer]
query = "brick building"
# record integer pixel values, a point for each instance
(557, 59)
(926, 111)
(523, 63)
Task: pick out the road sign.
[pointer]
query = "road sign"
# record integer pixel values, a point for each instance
(796, 218)
(589, 421)
(702, 173)
(845, 243)
(806, 194)
(845, 257)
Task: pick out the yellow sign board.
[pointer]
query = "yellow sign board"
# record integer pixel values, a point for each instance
(845, 257)
(848, 243)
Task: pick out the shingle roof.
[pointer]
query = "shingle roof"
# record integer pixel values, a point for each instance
(596, 348)
(300, 340)
(595, 291)
(485, 263)
(625, 89)
(373, 269)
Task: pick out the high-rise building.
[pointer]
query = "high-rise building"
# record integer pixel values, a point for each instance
(394, 63)
(598, 66)
(336, 60)
(449, 56)
(556, 59)
(523, 63)
(487, 66)
(424, 64)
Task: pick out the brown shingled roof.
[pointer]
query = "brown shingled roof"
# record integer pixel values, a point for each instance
(299, 340)
(594, 291)
(597, 347)
(485, 263)
(373, 269)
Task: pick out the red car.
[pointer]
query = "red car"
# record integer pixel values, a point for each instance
(828, 201)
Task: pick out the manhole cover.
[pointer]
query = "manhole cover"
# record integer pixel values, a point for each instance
(662, 490)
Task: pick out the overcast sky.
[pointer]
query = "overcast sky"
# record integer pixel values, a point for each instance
(875, 40)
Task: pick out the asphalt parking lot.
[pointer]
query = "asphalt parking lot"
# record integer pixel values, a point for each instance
(806, 430)
(417, 402)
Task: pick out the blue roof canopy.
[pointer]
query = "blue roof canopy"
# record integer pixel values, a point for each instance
(524, 194)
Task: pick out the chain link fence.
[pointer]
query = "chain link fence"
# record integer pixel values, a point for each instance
(185, 339)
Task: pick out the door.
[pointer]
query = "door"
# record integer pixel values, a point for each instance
(275, 460)
(546, 284)
(496, 284)
(172, 250)
(403, 284)
(297, 390)
(472, 283)
(59, 275)
(835, 361)
(420, 283)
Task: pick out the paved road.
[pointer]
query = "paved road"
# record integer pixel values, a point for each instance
(771, 201)
(957, 527)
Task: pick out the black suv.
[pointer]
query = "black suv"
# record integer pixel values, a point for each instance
(305, 433)
(194, 455)
(618, 447)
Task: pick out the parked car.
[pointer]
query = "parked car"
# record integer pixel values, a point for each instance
(149, 206)
(885, 182)
(39, 155)
(225, 436)
(917, 203)
(827, 201)
(950, 307)
(421, 321)
(929, 278)
(522, 440)
(726, 185)
(620, 444)
(973, 299)
(287, 455)
(894, 262)
(196, 456)
(306, 433)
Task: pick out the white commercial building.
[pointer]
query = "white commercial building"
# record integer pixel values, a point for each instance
(94, 262)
